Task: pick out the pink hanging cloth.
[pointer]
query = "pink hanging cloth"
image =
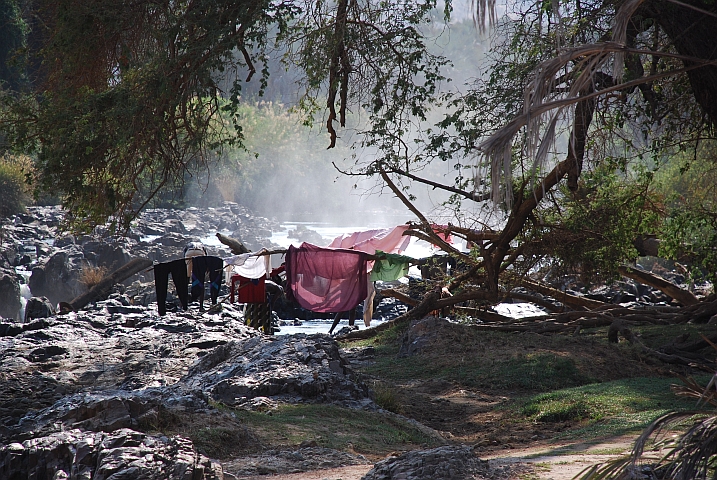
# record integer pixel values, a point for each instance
(441, 231)
(389, 240)
(325, 279)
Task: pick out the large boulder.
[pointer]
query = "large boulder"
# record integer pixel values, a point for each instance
(10, 304)
(120, 454)
(38, 307)
(58, 277)
(288, 367)
(106, 255)
(457, 462)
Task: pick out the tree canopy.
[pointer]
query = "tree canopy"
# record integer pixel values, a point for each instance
(123, 97)
(581, 105)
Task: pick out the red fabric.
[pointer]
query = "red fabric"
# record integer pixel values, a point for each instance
(441, 231)
(248, 290)
(326, 279)
(277, 271)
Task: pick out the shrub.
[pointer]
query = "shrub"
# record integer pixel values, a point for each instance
(14, 190)
(91, 276)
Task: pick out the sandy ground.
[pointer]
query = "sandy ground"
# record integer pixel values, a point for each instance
(557, 462)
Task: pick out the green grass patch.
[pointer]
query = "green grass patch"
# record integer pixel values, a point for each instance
(219, 442)
(336, 427)
(609, 408)
(536, 372)
(657, 335)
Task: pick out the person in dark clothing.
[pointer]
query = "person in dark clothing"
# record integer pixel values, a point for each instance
(178, 270)
(201, 266)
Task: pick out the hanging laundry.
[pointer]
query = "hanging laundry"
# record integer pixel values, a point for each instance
(249, 290)
(391, 267)
(193, 249)
(178, 270)
(368, 303)
(201, 266)
(326, 279)
(389, 240)
(249, 265)
(441, 231)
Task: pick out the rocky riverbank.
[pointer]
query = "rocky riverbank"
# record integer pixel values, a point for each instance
(39, 259)
(86, 394)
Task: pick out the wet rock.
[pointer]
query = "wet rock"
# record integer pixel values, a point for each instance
(43, 353)
(101, 456)
(9, 295)
(442, 463)
(38, 307)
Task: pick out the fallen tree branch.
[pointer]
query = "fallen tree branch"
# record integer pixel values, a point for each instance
(562, 297)
(668, 288)
(236, 247)
(103, 288)
(419, 311)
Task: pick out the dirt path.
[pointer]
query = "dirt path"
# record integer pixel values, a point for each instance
(553, 462)
(564, 462)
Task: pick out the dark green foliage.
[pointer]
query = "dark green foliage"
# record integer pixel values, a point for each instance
(127, 100)
(14, 191)
(594, 231)
(12, 41)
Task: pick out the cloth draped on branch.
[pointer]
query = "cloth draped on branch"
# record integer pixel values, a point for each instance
(391, 267)
(248, 265)
(326, 280)
(389, 240)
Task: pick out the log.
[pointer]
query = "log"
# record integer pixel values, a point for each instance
(234, 245)
(564, 298)
(419, 311)
(390, 292)
(668, 288)
(103, 288)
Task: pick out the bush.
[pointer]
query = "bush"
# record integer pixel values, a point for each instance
(91, 276)
(14, 190)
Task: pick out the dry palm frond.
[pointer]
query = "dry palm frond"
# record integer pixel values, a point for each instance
(619, 33)
(540, 99)
(481, 10)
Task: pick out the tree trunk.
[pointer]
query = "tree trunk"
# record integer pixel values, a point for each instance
(103, 288)
(668, 288)
(564, 298)
(234, 245)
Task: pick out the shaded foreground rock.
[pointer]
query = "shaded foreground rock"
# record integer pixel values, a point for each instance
(293, 368)
(122, 454)
(105, 371)
(442, 463)
(272, 462)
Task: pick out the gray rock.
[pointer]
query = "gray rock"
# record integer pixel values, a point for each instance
(9, 295)
(442, 463)
(58, 277)
(296, 367)
(38, 307)
(122, 454)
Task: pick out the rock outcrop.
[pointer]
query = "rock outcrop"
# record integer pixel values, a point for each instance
(121, 454)
(444, 463)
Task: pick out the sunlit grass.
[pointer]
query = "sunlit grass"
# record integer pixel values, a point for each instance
(336, 427)
(606, 409)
